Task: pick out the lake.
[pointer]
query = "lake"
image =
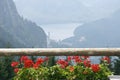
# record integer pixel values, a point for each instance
(60, 31)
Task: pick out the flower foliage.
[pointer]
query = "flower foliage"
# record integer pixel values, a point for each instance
(72, 68)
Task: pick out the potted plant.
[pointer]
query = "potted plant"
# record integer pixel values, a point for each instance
(72, 68)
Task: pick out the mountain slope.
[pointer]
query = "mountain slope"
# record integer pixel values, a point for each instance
(18, 30)
(100, 33)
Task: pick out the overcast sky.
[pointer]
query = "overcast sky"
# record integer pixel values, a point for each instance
(55, 11)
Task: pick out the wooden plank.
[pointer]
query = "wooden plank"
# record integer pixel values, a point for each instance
(60, 52)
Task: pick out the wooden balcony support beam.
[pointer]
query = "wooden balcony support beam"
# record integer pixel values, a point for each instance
(60, 52)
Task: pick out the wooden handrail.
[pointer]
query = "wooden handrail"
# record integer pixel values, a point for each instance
(60, 52)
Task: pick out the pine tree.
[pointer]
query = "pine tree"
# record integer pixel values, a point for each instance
(6, 71)
(117, 66)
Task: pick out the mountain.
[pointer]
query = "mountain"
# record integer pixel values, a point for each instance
(17, 31)
(100, 33)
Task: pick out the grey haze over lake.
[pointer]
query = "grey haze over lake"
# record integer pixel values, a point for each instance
(60, 31)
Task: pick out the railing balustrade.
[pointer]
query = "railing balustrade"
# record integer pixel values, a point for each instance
(62, 52)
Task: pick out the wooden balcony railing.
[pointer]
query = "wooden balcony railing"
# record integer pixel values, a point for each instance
(60, 51)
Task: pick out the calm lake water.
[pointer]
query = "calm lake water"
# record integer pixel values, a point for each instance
(60, 31)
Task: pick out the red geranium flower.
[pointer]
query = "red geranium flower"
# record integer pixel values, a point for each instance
(14, 64)
(16, 70)
(87, 63)
(36, 66)
(62, 63)
(106, 59)
(77, 59)
(39, 61)
(95, 67)
(24, 58)
(69, 58)
(28, 63)
(71, 68)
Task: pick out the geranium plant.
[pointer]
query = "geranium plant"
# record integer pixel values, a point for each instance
(72, 68)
